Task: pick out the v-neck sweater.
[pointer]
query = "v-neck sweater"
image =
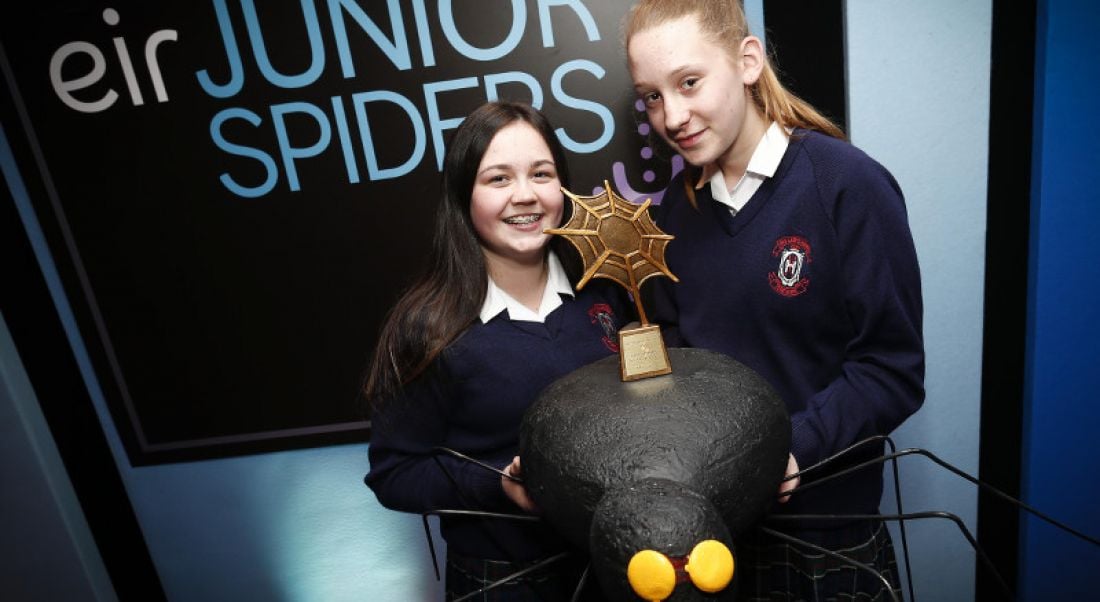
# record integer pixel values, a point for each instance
(815, 285)
(472, 400)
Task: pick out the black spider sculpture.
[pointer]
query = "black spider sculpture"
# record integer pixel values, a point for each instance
(658, 478)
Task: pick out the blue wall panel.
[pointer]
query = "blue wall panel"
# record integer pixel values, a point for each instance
(1061, 410)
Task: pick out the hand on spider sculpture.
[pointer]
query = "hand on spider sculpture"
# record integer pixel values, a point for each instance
(789, 484)
(515, 490)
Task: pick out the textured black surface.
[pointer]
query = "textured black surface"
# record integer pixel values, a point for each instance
(713, 426)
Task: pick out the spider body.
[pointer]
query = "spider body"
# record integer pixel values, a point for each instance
(658, 464)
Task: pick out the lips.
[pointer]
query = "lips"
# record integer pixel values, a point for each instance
(690, 140)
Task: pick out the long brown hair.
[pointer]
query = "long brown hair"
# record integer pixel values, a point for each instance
(723, 23)
(447, 297)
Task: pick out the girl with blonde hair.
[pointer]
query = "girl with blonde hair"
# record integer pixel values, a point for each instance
(795, 257)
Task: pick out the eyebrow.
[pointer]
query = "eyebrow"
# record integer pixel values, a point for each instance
(674, 74)
(506, 166)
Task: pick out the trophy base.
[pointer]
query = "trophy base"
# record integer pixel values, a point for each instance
(642, 353)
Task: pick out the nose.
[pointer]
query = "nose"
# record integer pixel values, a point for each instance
(524, 191)
(677, 113)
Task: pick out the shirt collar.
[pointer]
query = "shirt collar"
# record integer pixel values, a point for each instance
(769, 152)
(762, 165)
(765, 158)
(557, 284)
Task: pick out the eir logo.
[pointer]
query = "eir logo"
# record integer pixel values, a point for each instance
(793, 253)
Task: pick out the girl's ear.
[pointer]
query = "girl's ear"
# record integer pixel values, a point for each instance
(751, 58)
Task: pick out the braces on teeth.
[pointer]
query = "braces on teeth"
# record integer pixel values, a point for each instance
(524, 219)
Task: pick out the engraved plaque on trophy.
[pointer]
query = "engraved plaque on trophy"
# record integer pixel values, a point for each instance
(618, 240)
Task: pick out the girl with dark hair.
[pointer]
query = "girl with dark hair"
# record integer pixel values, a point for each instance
(468, 348)
(795, 258)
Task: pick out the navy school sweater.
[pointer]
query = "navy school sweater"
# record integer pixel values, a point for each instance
(815, 285)
(472, 400)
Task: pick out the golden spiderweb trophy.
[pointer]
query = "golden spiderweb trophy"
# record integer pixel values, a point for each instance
(618, 240)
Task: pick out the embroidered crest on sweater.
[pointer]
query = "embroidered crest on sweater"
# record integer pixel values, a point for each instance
(793, 253)
(601, 314)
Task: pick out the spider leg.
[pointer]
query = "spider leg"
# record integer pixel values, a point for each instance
(493, 515)
(498, 515)
(464, 457)
(868, 442)
(844, 452)
(580, 584)
(910, 516)
(943, 464)
(901, 517)
(841, 557)
(486, 515)
(431, 545)
(894, 464)
(424, 516)
(516, 575)
(441, 512)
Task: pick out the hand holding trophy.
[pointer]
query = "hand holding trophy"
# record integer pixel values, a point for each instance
(618, 240)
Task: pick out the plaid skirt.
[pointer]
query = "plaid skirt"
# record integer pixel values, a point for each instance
(554, 583)
(770, 569)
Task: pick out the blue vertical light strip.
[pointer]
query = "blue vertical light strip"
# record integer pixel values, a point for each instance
(754, 14)
(42, 254)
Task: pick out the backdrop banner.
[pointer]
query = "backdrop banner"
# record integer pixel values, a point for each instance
(235, 193)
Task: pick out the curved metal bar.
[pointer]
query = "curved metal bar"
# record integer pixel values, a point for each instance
(431, 545)
(901, 523)
(985, 486)
(515, 575)
(841, 557)
(483, 514)
(580, 584)
(465, 458)
(844, 452)
(458, 492)
(911, 516)
(897, 494)
(443, 512)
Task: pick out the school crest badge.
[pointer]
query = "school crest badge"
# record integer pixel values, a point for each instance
(600, 313)
(793, 253)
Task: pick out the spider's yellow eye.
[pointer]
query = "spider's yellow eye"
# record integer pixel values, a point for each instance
(710, 566)
(652, 575)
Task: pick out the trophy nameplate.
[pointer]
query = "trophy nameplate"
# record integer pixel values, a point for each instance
(618, 240)
(642, 352)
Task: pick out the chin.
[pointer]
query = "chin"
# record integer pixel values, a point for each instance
(698, 158)
(531, 253)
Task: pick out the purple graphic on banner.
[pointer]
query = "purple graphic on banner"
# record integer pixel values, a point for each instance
(619, 168)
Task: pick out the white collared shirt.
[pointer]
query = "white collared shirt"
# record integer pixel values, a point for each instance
(762, 165)
(557, 284)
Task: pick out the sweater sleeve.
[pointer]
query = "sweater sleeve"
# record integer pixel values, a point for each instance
(657, 297)
(408, 474)
(881, 377)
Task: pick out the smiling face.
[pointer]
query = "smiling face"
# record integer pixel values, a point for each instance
(516, 196)
(695, 92)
